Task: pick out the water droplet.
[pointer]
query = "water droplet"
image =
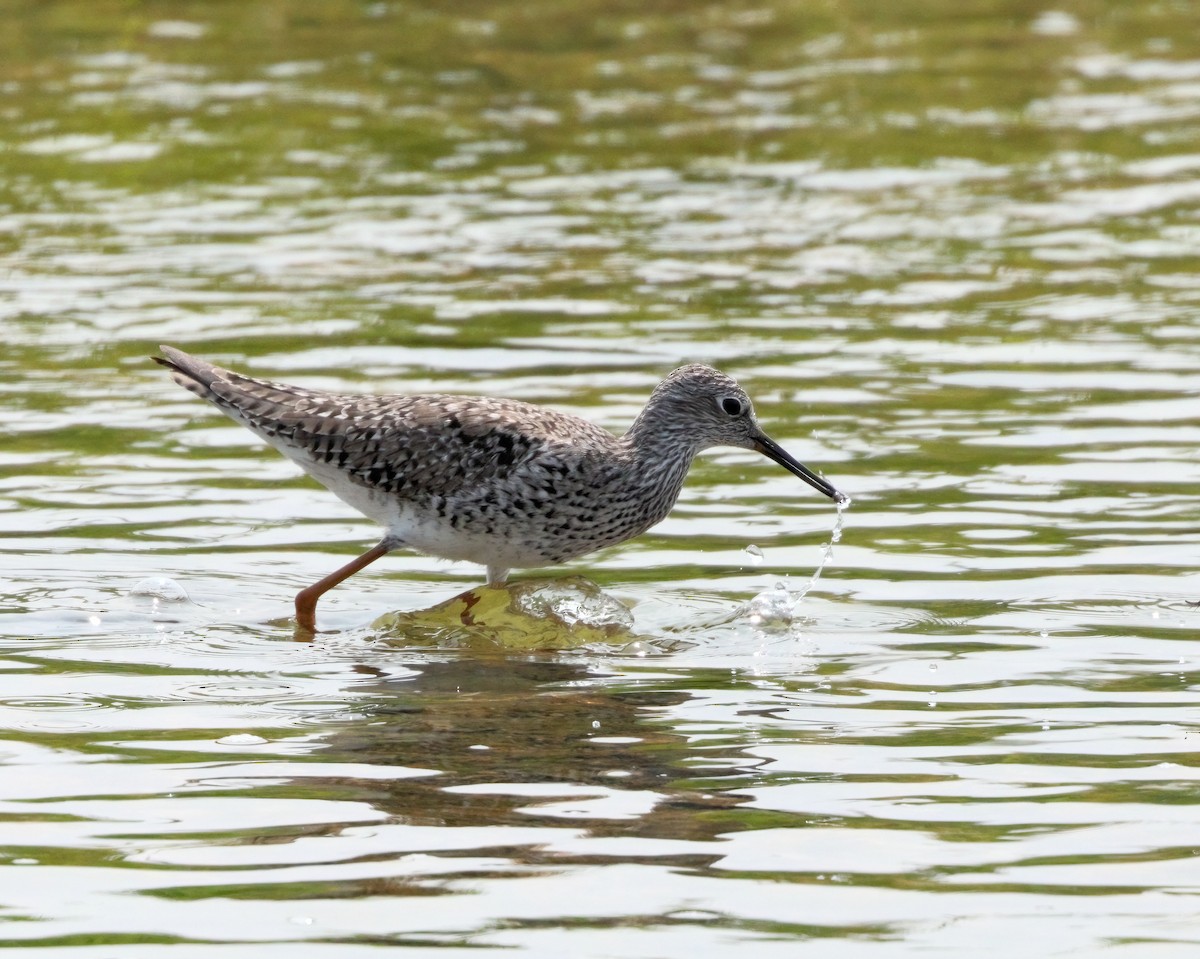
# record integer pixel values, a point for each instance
(595, 724)
(755, 554)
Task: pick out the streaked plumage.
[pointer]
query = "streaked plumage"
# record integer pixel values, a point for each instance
(493, 481)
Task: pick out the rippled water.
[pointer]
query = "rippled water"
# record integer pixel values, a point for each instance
(950, 250)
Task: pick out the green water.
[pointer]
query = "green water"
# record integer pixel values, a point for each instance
(950, 250)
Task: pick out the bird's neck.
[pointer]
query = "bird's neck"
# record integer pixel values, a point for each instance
(661, 457)
(658, 430)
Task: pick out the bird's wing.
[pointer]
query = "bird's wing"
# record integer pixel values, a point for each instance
(406, 445)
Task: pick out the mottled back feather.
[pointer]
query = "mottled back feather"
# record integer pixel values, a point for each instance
(413, 446)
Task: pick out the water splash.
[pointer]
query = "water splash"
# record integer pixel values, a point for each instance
(160, 589)
(573, 602)
(777, 606)
(835, 536)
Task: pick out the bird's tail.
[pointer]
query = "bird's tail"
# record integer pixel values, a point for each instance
(259, 404)
(191, 373)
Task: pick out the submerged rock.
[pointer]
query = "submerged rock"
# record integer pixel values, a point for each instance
(532, 614)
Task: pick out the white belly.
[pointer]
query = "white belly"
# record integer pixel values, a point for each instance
(417, 529)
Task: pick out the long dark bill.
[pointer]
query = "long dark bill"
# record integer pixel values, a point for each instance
(769, 448)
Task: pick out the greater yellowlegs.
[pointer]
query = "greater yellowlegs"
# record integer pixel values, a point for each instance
(492, 481)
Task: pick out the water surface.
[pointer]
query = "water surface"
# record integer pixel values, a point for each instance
(950, 249)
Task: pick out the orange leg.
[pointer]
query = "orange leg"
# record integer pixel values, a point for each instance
(306, 599)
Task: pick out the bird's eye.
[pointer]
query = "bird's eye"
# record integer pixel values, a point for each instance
(732, 405)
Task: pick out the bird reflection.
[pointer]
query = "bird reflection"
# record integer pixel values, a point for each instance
(538, 721)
